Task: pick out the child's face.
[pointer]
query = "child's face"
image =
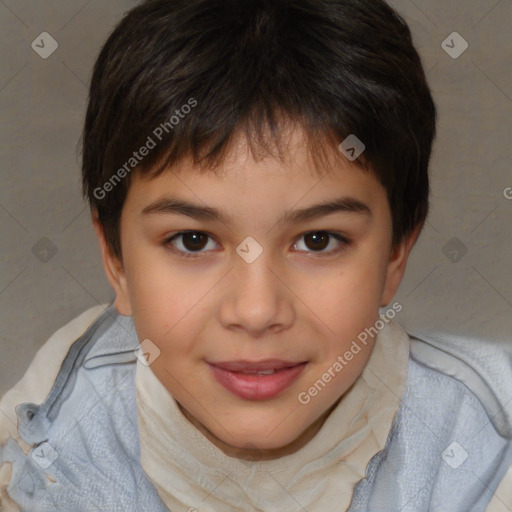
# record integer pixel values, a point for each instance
(302, 301)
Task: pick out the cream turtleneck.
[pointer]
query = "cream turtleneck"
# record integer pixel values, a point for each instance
(192, 474)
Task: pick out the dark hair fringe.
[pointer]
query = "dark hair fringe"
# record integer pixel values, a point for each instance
(256, 68)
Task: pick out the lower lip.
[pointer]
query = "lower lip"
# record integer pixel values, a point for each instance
(257, 387)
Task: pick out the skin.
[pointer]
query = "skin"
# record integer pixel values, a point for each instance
(297, 301)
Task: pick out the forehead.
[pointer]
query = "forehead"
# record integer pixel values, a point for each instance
(287, 170)
(288, 189)
(290, 151)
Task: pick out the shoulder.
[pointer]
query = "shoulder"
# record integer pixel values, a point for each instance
(34, 386)
(450, 444)
(40, 376)
(459, 368)
(455, 421)
(89, 411)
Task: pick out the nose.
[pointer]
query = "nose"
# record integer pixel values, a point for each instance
(256, 299)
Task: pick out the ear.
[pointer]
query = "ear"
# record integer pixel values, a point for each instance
(114, 270)
(396, 266)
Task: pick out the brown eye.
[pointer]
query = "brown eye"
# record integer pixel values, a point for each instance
(317, 241)
(194, 241)
(190, 243)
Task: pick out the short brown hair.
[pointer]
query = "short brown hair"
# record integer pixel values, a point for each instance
(335, 67)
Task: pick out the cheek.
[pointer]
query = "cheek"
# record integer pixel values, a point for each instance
(346, 303)
(369, 275)
(351, 295)
(161, 297)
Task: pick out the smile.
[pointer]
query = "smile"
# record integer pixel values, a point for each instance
(257, 381)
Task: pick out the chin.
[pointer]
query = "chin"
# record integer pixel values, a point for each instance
(269, 436)
(258, 444)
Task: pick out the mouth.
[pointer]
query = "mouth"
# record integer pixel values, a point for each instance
(260, 380)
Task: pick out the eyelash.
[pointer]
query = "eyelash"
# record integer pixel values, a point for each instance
(316, 254)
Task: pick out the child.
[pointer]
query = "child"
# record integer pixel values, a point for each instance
(257, 176)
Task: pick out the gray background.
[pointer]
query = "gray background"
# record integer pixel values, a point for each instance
(458, 279)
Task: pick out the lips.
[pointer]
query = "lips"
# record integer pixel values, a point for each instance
(257, 380)
(255, 367)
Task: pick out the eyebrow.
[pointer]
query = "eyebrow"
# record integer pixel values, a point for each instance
(181, 207)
